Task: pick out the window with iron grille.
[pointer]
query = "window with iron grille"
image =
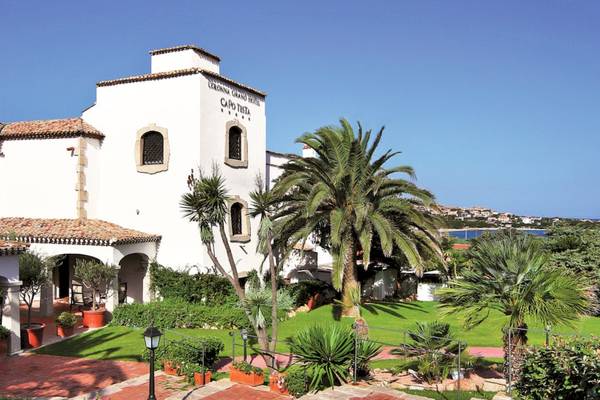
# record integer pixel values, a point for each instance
(236, 219)
(235, 143)
(152, 148)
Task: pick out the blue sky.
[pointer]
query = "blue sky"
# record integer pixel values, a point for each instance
(494, 103)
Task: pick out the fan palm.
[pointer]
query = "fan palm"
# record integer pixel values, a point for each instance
(349, 190)
(508, 273)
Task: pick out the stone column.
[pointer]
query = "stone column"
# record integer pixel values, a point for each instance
(11, 319)
(147, 295)
(47, 301)
(112, 298)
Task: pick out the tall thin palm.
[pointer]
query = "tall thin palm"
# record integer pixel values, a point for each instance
(263, 206)
(347, 189)
(508, 273)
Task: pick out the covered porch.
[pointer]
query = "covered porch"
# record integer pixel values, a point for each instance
(68, 240)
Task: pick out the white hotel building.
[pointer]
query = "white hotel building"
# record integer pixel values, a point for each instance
(107, 184)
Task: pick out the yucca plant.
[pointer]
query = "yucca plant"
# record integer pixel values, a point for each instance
(326, 352)
(365, 352)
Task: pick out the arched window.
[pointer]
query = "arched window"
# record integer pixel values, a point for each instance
(235, 143)
(236, 218)
(152, 148)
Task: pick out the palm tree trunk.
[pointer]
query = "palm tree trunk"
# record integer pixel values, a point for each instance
(273, 271)
(351, 287)
(514, 351)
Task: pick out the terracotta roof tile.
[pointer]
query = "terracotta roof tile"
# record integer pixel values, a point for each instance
(175, 74)
(71, 231)
(10, 247)
(50, 128)
(184, 47)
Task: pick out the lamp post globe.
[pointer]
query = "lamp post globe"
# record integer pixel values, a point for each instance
(152, 340)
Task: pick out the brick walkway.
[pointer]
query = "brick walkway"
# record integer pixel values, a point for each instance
(33, 375)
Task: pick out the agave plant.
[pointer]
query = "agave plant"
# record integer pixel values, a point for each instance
(326, 352)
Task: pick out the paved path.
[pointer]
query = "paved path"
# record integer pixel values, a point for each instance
(32, 375)
(351, 392)
(256, 360)
(496, 352)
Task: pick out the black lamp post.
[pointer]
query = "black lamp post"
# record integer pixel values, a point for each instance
(152, 338)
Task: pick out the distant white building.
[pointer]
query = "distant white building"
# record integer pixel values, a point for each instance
(107, 184)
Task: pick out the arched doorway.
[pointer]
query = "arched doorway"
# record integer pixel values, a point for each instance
(63, 274)
(132, 273)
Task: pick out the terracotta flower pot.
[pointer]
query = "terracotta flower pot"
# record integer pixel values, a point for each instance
(93, 318)
(277, 383)
(32, 336)
(64, 331)
(3, 347)
(312, 302)
(170, 368)
(251, 379)
(198, 378)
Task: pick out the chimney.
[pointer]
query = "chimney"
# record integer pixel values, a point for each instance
(183, 57)
(308, 152)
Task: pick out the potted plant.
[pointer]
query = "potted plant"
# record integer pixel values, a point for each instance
(245, 373)
(97, 277)
(277, 382)
(4, 337)
(197, 374)
(34, 274)
(65, 324)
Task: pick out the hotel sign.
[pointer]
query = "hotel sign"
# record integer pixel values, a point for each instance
(237, 94)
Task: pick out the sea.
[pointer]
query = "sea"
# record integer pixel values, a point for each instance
(468, 234)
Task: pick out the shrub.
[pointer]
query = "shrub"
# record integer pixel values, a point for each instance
(247, 368)
(187, 353)
(170, 314)
(208, 289)
(567, 369)
(296, 381)
(4, 333)
(326, 352)
(303, 290)
(66, 319)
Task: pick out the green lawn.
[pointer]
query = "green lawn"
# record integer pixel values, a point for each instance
(386, 324)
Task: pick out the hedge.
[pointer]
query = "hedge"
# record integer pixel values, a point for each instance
(170, 314)
(568, 369)
(208, 289)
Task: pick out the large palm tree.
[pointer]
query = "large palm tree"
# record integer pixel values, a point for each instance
(348, 189)
(508, 273)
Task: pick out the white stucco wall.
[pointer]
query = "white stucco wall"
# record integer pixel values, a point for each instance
(214, 117)
(9, 268)
(38, 178)
(149, 202)
(273, 168)
(182, 60)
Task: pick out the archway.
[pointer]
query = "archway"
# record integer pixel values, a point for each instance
(63, 275)
(132, 277)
